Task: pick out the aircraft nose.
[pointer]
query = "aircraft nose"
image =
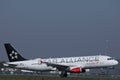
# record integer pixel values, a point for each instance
(116, 62)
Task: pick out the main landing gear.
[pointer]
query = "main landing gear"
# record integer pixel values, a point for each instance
(63, 74)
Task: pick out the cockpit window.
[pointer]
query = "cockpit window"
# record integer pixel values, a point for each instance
(110, 58)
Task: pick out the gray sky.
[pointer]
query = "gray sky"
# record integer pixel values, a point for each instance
(56, 28)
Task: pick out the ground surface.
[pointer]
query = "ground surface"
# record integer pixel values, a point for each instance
(23, 77)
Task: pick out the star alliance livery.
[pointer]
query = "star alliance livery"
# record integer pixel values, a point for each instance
(64, 64)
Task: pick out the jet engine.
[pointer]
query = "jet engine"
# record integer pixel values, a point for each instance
(78, 70)
(75, 69)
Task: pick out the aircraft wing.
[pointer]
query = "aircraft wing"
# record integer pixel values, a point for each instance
(60, 67)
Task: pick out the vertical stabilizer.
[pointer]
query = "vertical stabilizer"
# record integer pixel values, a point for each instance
(13, 55)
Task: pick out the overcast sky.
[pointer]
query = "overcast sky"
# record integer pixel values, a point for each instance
(57, 28)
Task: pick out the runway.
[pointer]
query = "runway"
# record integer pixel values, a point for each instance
(30, 77)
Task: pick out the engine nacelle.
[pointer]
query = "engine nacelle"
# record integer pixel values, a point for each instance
(75, 69)
(78, 70)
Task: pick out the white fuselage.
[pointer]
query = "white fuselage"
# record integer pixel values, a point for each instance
(86, 62)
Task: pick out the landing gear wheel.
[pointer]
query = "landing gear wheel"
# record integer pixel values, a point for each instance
(63, 74)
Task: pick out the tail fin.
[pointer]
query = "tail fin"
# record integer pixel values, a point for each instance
(13, 55)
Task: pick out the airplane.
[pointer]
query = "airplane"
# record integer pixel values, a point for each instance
(64, 64)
